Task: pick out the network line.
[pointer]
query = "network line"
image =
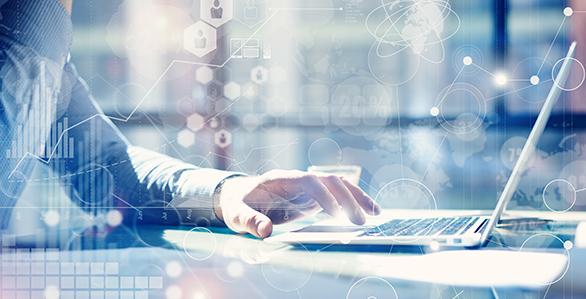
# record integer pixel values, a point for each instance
(551, 45)
(126, 119)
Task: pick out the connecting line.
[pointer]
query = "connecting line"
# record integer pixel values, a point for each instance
(359, 179)
(580, 190)
(280, 152)
(236, 100)
(550, 46)
(482, 69)
(141, 101)
(458, 294)
(431, 162)
(450, 87)
(124, 201)
(55, 147)
(298, 294)
(510, 92)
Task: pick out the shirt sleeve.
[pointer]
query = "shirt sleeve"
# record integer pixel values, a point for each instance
(42, 94)
(106, 171)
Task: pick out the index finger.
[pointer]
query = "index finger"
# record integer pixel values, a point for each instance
(312, 186)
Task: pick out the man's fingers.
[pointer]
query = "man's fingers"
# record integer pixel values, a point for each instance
(367, 203)
(313, 187)
(248, 220)
(344, 197)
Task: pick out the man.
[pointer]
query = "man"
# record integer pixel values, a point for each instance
(40, 87)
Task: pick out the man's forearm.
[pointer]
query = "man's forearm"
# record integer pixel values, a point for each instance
(67, 4)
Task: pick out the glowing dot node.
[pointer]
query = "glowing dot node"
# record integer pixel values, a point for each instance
(52, 218)
(434, 245)
(173, 269)
(114, 218)
(173, 292)
(501, 79)
(467, 60)
(534, 80)
(235, 269)
(568, 245)
(568, 11)
(434, 111)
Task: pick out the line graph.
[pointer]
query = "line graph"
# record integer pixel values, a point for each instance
(126, 119)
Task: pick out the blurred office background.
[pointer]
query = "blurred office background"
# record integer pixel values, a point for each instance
(293, 84)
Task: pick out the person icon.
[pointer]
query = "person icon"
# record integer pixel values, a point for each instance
(200, 41)
(259, 75)
(222, 138)
(217, 12)
(250, 11)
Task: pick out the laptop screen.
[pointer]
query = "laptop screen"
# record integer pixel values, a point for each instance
(529, 147)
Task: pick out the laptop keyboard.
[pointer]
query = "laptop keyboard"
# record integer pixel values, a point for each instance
(423, 227)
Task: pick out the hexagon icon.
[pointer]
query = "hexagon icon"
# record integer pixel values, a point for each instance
(277, 107)
(204, 75)
(223, 138)
(259, 74)
(250, 90)
(250, 12)
(186, 138)
(195, 122)
(278, 74)
(232, 90)
(217, 12)
(185, 106)
(222, 74)
(199, 38)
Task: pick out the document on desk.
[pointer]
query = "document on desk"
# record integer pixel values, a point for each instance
(478, 268)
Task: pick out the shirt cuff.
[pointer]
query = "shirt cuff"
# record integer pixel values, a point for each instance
(197, 194)
(42, 25)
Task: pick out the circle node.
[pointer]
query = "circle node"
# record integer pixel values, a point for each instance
(534, 80)
(467, 60)
(501, 79)
(434, 245)
(434, 111)
(568, 11)
(568, 245)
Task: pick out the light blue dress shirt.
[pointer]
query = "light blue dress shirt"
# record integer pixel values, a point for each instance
(41, 94)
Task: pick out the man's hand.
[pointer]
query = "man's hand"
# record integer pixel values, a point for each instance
(67, 5)
(253, 204)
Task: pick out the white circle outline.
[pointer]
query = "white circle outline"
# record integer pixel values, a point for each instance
(265, 264)
(371, 277)
(567, 251)
(209, 255)
(459, 86)
(545, 202)
(416, 238)
(583, 74)
(324, 138)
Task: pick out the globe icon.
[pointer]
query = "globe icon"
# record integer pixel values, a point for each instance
(405, 32)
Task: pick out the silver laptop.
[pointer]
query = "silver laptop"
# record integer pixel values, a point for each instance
(459, 231)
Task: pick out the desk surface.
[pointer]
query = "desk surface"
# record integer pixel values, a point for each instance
(215, 263)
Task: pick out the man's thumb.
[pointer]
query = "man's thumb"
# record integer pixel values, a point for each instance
(254, 222)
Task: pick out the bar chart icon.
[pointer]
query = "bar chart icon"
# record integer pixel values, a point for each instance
(40, 135)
